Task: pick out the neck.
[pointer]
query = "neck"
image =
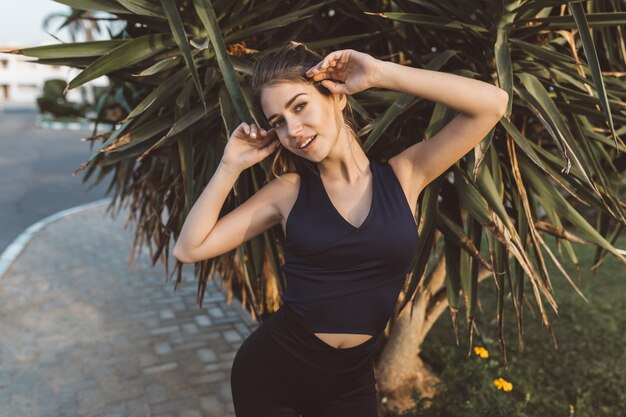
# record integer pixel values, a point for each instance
(346, 162)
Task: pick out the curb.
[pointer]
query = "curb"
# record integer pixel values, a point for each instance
(10, 254)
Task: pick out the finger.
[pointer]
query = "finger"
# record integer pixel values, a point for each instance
(245, 128)
(331, 59)
(321, 76)
(334, 87)
(324, 63)
(253, 131)
(272, 146)
(269, 148)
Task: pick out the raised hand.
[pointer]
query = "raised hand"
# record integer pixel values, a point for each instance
(356, 70)
(249, 145)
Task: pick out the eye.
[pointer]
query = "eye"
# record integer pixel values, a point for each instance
(276, 124)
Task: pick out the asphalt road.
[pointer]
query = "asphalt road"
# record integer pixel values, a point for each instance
(36, 172)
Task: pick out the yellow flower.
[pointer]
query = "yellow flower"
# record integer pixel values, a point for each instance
(503, 384)
(481, 351)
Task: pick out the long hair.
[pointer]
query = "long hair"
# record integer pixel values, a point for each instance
(290, 62)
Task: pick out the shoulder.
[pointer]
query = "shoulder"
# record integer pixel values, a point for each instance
(282, 191)
(404, 170)
(402, 167)
(286, 182)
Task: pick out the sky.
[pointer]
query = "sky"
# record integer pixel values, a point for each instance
(21, 22)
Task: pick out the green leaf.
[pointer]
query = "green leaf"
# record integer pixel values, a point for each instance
(71, 50)
(109, 6)
(124, 56)
(504, 65)
(205, 11)
(426, 238)
(176, 24)
(592, 57)
(424, 20)
(402, 104)
(548, 197)
(144, 7)
(280, 21)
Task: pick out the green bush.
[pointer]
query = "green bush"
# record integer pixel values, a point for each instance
(583, 377)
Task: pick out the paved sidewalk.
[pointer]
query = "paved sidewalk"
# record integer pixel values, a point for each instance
(82, 336)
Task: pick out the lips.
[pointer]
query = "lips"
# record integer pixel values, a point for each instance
(299, 145)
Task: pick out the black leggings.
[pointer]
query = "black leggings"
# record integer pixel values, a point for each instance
(283, 370)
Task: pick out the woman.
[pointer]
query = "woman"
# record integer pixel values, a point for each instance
(350, 233)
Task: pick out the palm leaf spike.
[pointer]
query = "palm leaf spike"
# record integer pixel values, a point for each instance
(158, 95)
(602, 224)
(429, 210)
(578, 13)
(475, 232)
(559, 232)
(450, 209)
(504, 66)
(544, 108)
(283, 20)
(129, 53)
(186, 121)
(456, 235)
(97, 154)
(69, 50)
(555, 201)
(481, 150)
(402, 104)
(176, 24)
(110, 6)
(185, 148)
(526, 207)
(479, 209)
(500, 271)
(144, 8)
(243, 266)
(206, 13)
(536, 237)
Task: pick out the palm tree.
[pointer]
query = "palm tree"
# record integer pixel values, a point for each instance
(553, 166)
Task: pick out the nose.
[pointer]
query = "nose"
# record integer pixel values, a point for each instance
(294, 128)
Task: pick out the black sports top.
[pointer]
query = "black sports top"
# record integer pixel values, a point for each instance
(342, 278)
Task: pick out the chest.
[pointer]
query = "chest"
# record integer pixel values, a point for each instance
(376, 230)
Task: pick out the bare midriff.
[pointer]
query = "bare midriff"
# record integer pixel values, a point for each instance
(343, 340)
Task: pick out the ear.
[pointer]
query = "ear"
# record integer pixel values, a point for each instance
(342, 100)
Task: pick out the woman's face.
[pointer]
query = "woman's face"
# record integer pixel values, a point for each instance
(298, 111)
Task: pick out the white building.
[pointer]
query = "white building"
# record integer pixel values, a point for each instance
(21, 81)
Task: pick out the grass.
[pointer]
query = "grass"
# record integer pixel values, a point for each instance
(584, 376)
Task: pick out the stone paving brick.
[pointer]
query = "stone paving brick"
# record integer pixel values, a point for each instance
(203, 320)
(190, 413)
(161, 368)
(92, 337)
(162, 348)
(212, 405)
(190, 328)
(207, 355)
(166, 314)
(232, 336)
(164, 330)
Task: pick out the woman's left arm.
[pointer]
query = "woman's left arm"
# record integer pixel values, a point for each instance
(480, 106)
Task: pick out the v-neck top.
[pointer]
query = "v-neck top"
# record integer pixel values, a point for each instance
(342, 278)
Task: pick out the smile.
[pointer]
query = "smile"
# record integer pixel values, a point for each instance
(307, 142)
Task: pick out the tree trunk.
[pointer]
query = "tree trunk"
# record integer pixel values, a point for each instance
(400, 372)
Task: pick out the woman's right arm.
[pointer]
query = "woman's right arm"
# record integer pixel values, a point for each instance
(203, 236)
